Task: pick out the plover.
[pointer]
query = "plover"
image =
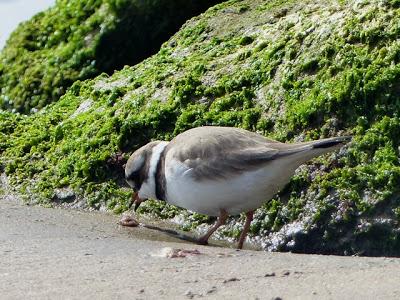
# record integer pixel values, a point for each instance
(218, 171)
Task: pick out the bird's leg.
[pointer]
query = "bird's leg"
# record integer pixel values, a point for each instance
(221, 221)
(249, 218)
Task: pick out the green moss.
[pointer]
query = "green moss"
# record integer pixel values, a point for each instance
(76, 40)
(246, 40)
(289, 81)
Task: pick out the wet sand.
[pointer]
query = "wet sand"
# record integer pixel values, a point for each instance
(53, 253)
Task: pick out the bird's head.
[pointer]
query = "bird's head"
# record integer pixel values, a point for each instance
(137, 172)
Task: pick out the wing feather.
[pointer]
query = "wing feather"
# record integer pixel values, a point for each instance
(222, 152)
(211, 153)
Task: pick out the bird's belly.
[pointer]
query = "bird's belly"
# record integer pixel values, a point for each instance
(242, 193)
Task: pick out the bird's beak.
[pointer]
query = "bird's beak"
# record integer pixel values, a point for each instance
(136, 200)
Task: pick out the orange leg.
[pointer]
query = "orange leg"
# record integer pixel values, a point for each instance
(221, 221)
(249, 218)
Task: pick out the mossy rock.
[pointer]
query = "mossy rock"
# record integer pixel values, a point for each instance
(289, 70)
(76, 40)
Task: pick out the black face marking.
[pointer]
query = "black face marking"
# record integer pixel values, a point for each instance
(141, 174)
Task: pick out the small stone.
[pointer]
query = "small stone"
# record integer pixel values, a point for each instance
(224, 255)
(64, 195)
(189, 294)
(229, 11)
(270, 274)
(231, 279)
(169, 252)
(128, 221)
(141, 291)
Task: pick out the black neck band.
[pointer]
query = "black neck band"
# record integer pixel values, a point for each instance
(160, 177)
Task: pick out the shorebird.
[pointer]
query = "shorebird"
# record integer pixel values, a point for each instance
(218, 171)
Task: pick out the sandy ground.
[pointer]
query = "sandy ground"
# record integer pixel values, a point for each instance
(48, 253)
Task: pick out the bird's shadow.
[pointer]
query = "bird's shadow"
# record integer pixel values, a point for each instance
(173, 233)
(187, 238)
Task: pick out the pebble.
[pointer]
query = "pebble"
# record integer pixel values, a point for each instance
(128, 221)
(169, 252)
(189, 294)
(231, 279)
(224, 255)
(298, 272)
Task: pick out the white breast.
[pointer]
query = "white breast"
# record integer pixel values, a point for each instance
(238, 194)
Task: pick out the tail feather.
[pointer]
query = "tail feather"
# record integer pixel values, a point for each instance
(330, 142)
(301, 152)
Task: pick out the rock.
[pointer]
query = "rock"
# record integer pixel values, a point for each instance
(64, 195)
(128, 221)
(300, 77)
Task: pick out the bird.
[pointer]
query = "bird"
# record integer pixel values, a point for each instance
(218, 171)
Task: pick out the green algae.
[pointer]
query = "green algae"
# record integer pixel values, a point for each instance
(76, 40)
(298, 74)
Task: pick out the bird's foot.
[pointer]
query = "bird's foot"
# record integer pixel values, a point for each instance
(128, 221)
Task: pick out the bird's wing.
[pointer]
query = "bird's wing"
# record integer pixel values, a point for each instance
(222, 152)
(211, 153)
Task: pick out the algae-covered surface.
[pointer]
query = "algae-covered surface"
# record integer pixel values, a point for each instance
(77, 40)
(289, 70)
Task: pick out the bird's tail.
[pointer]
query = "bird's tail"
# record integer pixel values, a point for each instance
(329, 142)
(302, 152)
